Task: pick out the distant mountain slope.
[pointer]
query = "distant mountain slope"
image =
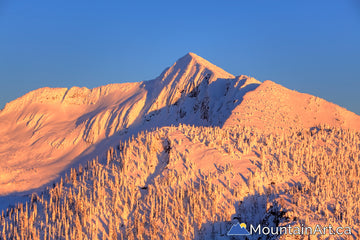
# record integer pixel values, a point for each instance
(45, 132)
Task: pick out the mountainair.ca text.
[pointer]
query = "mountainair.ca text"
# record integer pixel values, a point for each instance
(300, 230)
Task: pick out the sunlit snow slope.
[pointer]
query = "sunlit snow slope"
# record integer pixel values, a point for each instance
(47, 131)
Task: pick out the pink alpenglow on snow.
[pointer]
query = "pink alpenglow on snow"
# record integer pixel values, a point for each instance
(49, 130)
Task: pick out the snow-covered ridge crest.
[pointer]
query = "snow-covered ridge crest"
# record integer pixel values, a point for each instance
(74, 95)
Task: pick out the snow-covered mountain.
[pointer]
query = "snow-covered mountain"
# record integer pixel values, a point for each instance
(183, 156)
(47, 131)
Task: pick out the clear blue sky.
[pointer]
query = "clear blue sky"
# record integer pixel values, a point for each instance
(310, 46)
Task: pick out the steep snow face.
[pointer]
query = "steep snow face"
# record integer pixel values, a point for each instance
(194, 91)
(183, 77)
(208, 103)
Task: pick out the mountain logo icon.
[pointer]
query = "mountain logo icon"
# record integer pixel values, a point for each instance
(238, 229)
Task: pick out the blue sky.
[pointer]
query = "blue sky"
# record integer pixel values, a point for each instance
(309, 46)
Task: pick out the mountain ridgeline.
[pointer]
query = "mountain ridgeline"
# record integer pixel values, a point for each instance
(49, 130)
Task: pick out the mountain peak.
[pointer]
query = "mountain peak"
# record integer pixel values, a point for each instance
(191, 55)
(191, 60)
(195, 57)
(186, 74)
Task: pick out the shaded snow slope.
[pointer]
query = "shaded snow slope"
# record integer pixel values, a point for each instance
(47, 131)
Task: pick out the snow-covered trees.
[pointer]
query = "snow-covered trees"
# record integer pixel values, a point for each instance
(150, 187)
